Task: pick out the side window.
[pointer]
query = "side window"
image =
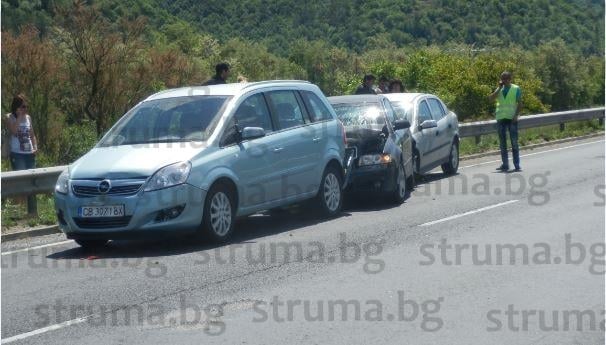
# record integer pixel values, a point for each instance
(389, 112)
(288, 111)
(424, 113)
(437, 112)
(315, 106)
(252, 112)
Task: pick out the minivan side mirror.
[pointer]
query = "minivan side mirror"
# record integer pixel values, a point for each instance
(428, 124)
(249, 133)
(401, 124)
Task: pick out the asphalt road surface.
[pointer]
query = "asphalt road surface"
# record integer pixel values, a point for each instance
(478, 258)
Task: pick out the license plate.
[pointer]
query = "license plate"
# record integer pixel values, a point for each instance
(101, 211)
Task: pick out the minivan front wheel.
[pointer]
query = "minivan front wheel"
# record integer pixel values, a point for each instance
(219, 213)
(330, 195)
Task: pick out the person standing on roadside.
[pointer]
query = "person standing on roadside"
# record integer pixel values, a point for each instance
(508, 98)
(367, 85)
(221, 75)
(23, 142)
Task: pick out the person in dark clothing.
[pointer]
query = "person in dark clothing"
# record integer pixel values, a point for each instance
(221, 75)
(396, 86)
(383, 85)
(367, 85)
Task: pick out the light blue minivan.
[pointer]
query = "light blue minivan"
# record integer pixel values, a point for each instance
(195, 158)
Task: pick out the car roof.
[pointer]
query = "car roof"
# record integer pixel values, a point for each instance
(355, 99)
(231, 89)
(405, 97)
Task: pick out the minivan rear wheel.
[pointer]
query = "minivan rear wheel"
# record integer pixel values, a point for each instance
(330, 195)
(219, 213)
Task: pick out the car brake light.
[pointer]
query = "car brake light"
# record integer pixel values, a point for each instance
(343, 133)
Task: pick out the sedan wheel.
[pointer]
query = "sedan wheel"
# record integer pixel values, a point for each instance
(399, 193)
(452, 165)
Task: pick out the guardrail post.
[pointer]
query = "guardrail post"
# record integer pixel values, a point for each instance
(32, 205)
(562, 127)
(601, 121)
(478, 138)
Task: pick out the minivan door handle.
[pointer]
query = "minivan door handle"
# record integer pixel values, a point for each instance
(278, 149)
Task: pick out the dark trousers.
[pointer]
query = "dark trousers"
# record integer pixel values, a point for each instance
(504, 126)
(23, 161)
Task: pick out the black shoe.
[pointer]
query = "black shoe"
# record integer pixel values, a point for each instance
(518, 169)
(502, 168)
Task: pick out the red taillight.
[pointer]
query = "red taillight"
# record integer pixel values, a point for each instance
(343, 133)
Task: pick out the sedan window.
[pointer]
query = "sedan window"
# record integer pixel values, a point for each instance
(437, 112)
(424, 113)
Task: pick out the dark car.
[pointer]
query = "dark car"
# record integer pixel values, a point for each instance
(382, 145)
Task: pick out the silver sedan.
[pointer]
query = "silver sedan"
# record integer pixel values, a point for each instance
(434, 128)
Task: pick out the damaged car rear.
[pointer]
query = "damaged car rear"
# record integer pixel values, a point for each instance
(382, 146)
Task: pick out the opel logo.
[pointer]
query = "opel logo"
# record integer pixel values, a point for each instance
(104, 186)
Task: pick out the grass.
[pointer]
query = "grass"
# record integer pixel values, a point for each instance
(14, 214)
(531, 136)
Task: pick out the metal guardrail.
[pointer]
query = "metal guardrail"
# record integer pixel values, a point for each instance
(477, 129)
(37, 181)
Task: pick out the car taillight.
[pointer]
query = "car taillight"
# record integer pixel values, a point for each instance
(343, 133)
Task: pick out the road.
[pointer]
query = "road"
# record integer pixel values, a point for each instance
(437, 269)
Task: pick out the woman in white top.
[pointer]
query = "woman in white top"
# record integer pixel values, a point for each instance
(23, 141)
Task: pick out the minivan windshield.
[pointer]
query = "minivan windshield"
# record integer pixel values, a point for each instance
(177, 119)
(360, 114)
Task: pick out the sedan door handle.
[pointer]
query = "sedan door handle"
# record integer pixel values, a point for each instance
(278, 149)
(316, 139)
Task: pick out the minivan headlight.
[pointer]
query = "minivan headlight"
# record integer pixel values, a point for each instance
(170, 175)
(62, 182)
(374, 159)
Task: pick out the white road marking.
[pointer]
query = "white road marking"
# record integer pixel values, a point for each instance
(534, 153)
(37, 247)
(468, 213)
(45, 329)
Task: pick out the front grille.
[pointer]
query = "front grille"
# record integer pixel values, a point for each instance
(102, 223)
(85, 191)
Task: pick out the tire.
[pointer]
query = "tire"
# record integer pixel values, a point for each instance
(398, 195)
(451, 167)
(91, 244)
(219, 214)
(416, 164)
(329, 200)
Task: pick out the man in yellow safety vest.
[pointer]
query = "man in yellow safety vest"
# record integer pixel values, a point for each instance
(509, 103)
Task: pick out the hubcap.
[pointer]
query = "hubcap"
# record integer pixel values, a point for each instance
(454, 157)
(220, 214)
(401, 182)
(332, 192)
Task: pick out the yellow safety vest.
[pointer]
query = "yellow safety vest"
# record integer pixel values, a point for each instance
(506, 106)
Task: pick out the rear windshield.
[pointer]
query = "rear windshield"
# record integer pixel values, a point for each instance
(360, 114)
(178, 119)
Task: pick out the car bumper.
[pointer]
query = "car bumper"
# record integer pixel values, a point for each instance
(145, 213)
(379, 178)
